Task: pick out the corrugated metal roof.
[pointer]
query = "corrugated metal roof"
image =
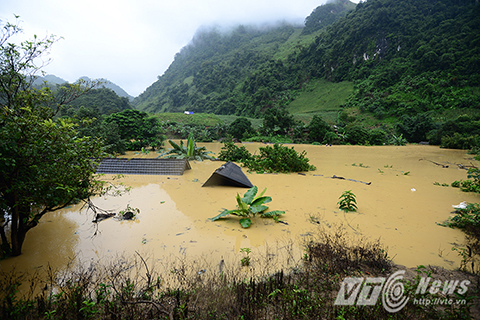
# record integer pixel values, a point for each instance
(143, 166)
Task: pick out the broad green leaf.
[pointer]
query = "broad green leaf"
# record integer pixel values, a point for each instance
(190, 145)
(261, 200)
(250, 195)
(245, 222)
(174, 145)
(222, 214)
(258, 209)
(239, 200)
(261, 193)
(274, 213)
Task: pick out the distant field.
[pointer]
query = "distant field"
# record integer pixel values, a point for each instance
(321, 96)
(206, 119)
(328, 116)
(227, 119)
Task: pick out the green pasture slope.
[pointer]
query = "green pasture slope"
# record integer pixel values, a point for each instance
(318, 97)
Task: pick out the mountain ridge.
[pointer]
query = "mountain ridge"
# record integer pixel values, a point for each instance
(53, 79)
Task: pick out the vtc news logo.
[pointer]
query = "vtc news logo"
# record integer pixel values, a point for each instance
(392, 290)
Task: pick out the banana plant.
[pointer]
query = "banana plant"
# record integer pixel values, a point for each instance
(190, 151)
(249, 206)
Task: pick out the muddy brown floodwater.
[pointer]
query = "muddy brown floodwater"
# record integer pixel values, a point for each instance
(401, 206)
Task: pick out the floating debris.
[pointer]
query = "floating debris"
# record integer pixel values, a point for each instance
(461, 205)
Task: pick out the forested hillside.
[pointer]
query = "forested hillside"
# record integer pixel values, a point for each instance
(405, 57)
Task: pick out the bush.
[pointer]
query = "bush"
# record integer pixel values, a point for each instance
(278, 159)
(230, 152)
(330, 137)
(459, 141)
(415, 128)
(357, 134)
(240, 128)
(467, 218)
(377, 137)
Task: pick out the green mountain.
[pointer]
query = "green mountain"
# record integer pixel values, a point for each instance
(112, 86)
(403, 56)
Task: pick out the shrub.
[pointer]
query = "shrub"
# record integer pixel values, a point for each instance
(330, 137)
(377, 137)
(459, 141)
(357, 134)
(230, 152)
(398, 140)
(466, 218)
(279, 159)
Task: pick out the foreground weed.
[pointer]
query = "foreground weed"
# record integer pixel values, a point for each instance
(347, 201)
(245, 260)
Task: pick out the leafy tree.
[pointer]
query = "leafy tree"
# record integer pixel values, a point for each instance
(91, 124)
(415, 128)
(44, 164)
(240, 127)
(138, 129)
(356, 134)
(277, 121)
(318, 128)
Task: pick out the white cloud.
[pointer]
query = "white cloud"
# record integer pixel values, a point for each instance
(131, 42)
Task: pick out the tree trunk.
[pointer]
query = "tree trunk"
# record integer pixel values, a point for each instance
(17, 242)
(18, 231)
(5, 246)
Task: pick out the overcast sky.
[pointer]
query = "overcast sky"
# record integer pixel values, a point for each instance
(131, 42)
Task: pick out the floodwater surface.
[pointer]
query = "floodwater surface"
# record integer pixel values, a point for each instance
(401, 206)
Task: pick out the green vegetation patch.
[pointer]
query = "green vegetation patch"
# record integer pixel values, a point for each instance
(205, 119)
(321, 95)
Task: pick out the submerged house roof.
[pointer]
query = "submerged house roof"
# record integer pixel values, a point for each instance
(229, 174)
(143, 166)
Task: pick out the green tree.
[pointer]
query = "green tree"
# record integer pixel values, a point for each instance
(44, 165)
(91, 124)
(277, 121)
(104, 99)
(240, 127)
(138, 129)
(318, 128)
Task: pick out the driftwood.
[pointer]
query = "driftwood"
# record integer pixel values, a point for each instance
(462, 166)
(438, 164)
(103, 216)
(342, 178)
